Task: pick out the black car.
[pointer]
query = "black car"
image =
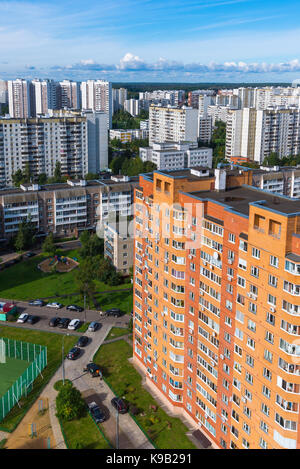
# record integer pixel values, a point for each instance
(82, 341)
(116, 312)
(32, 319)
(36, 303)
(29, 254)
(97, 414)
(76, 308)
(93, 369)
(74, 353)
(63, 323)
(119, 405)
(54, 321)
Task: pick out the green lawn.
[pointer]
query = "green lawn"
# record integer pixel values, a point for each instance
(53, 342)
(10, 371)
(166, 432)
(116, 332)
(83, 434)
(24, 281)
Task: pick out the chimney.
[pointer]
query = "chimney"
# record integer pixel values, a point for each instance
(220, 179)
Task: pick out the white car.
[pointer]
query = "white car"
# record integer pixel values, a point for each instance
(74, 324)
(23, 317)
(54, 305)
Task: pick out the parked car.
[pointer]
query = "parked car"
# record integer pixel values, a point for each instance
(29, 254)
(63, 323)
(36, 303)
(82, 341)
(74, 324)
(76, 308)
(93, 369)
(54, 321)
(23, 317)
(94, 326)
(74, 353)
(97, 414)
(54, 305)
(119, 405)
(116, 312)
(32, 319)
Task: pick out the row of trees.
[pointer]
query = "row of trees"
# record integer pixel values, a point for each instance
(25, 176)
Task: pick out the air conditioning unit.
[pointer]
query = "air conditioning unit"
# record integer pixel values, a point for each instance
(222, 357)
(229, 278)
(201, 293)
(244, 399)
(190, 256)
(249, 295)
(215, 334)
(230, 261)
(272, 309)
(204, 263)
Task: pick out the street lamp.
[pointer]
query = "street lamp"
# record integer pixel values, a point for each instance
(63, 358)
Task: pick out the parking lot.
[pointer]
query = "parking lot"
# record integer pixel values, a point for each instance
(45, 314)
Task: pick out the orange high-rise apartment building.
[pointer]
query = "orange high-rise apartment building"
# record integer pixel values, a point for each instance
(216, 304)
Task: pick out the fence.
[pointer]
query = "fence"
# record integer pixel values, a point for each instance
(37, 355)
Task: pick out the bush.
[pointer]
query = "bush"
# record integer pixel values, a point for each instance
(59, 384)
(69, 404)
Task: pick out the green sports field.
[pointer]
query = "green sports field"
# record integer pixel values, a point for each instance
(10, 372)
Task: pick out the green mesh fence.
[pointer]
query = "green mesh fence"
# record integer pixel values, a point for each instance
(11, 350)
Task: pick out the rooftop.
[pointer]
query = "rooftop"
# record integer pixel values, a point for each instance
(240, 198)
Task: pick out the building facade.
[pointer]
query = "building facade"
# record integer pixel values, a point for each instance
(216, 305)
(66, 209)
(78, 142)
(172, 124)
(182, 155)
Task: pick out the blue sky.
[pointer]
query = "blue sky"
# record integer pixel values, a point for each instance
(151, 40)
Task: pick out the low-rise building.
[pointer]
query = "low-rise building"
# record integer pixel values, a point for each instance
(118, 247)
(170, 155)
(66, 209)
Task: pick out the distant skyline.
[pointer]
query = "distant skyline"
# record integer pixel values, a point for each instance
(150, 40)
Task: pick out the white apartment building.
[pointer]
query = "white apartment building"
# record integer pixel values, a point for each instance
(218, 113)
(78, 142)
(19, 98)
(254, 134)
(3, 92)
(69, 95)
(172, 124)
(128, 135)
(45, 96)
(132, 106)
(118, 247)
(172, 97)
(171, 156)
(96, 95)
(119, 98)
(205, 127)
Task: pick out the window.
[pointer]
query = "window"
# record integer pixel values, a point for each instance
(273, 281)
(231, 238)
(255, 271)
(274, 261)
(256, 253)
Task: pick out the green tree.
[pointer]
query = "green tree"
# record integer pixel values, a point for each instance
(17, 178)
(272, 160)
(84, 279)
(69, 403)
(25, 238)
(91, 247)
(49, 246)
(57, 172)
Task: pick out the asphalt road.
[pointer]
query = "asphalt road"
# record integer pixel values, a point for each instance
(45, 313)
